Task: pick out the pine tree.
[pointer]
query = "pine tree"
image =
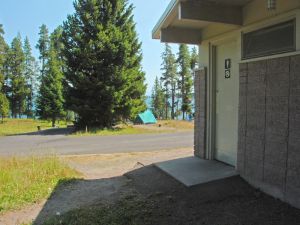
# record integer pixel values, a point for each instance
(18, 89)
(158, 99)
(50, 102)
(104, 80)
(185, 82)
(43, 46)
(31, 71)
(4, 106)
(57, 44)
(194, 63)
(3, 61)
(4, 103)
(3, 55)
(169, 79)
(194, 58)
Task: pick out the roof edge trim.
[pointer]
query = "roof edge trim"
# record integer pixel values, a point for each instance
(162, 19)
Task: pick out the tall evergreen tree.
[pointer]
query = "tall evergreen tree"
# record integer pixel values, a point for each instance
(43, 46)
(30, 72)
(57, 44)
(194, 58)
(4, 104)
(18, 89)
(50, 102)
(185, 82)
(169, 79)
(158, 99)
(104, 80)
(3, 56)
(194, 63)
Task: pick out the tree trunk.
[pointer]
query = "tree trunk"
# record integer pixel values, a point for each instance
(166, 113)
(53, 122)
(173, 105)
(183, 96)
(166, 104)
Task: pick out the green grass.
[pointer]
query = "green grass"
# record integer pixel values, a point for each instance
(115, 131)
(128, 211)
(20, 126)
(28, 180)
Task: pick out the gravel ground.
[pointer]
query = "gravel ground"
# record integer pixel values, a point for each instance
(225, 202)
(103, 182)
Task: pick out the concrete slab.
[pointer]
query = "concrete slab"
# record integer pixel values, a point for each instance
(191, 171)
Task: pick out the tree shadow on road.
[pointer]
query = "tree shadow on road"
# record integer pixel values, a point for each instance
(49, 132)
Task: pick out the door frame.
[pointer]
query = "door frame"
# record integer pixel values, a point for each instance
(211, 94)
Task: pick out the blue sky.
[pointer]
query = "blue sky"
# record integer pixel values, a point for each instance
(25, 16)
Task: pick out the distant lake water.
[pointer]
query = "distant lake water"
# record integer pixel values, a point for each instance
(149, 100)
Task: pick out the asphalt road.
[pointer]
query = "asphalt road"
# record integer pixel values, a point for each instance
(58, 143)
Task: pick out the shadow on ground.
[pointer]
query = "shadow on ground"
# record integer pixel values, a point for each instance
(147, 196)
(49, 132)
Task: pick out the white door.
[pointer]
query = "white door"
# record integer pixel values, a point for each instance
(227, 96)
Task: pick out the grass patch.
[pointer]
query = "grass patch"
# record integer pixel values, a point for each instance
(20, 126)
(163, 126)
(124, 130)
(27, 180)
(128, 211)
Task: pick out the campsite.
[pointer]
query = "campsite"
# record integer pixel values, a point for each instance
(130, 112)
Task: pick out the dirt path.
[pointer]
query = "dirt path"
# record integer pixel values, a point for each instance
(110, 165)
(165, 201)
(103, 183)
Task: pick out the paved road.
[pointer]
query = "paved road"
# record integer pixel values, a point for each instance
(55, 142)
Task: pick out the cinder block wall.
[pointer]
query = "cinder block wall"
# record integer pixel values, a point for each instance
(269, 126)
(200, 112)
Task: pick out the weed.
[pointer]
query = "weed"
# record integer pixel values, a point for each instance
(28, 180)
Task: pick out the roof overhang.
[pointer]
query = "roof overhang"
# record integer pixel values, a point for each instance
(183, 20)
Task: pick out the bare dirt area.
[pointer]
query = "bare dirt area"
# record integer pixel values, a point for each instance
(152, 197)
(76, 194)
(169, 125)
(110, 165)
(230, 201)
(102, 183)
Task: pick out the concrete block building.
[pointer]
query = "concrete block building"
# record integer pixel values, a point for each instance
(247, 87)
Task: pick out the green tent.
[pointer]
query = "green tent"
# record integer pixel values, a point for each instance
(146, 117)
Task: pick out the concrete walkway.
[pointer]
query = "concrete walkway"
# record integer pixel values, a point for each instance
(191, 171)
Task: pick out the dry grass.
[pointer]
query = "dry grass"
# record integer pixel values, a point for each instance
(176, 124)
(28, 180)
(20, 126)
(163, 126)
(123, 130)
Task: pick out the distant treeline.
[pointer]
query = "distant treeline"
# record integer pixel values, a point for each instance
(172, 94)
